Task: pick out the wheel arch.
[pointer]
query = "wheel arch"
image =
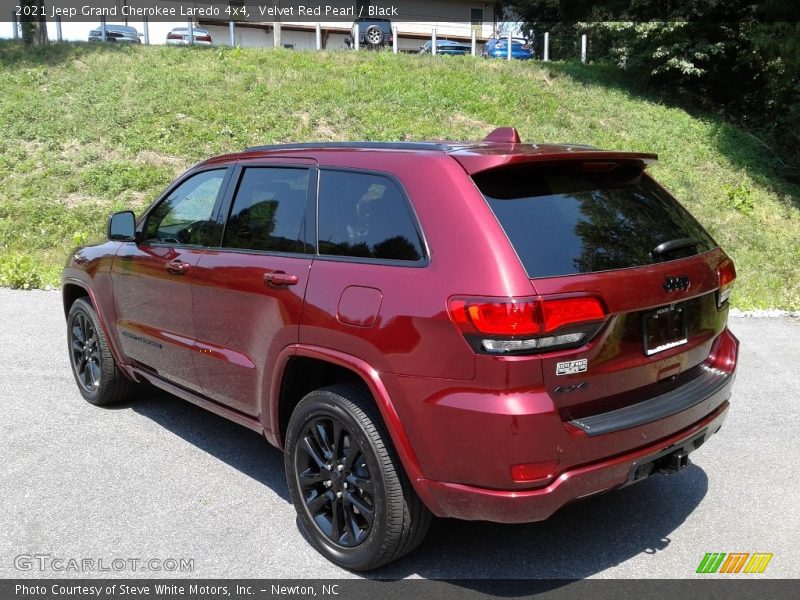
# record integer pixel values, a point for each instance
(351, 369)
(74, 289)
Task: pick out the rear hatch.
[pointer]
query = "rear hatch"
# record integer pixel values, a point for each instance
(600, 228)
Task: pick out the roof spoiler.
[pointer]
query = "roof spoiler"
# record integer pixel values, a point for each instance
(503, 135)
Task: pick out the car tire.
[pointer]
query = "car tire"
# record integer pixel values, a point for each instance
(374, 36)
(99, 379)
(353, 499)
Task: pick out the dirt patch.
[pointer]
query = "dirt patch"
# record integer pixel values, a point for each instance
(77, 199)
(160, 160)
(325, 131)
(74, 148)
(468, 121)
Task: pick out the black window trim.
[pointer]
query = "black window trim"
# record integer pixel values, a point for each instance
(141, 224)
(415, 264)
(230, 196)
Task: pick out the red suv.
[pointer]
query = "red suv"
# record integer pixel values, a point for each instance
(485, 331)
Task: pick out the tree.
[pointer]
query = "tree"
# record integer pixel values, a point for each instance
(34, 28)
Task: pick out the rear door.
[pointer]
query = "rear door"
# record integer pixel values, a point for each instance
(248, 293)
(610, 231)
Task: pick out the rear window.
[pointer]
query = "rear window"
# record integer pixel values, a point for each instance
(563, 221)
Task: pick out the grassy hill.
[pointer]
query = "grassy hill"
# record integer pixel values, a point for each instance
(88, 129)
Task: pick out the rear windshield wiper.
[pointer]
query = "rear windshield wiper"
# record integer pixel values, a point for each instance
(672, 245)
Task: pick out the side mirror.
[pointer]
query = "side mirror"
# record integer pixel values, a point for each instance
(122, 227)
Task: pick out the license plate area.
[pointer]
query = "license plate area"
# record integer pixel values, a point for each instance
(665, 328)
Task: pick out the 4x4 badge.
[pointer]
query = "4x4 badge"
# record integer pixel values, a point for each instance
(673, 284)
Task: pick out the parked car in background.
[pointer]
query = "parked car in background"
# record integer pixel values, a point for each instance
(447, 48)
(373, 34)
(179, 36)
(498, 48)
(116, 33)
(479, 330)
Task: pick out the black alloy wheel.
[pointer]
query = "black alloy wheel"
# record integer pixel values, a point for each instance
(85, 352)
(352, 497)
(337, 488)
(99, 379)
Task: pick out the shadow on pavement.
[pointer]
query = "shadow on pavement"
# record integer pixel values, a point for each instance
(579, 541)
(241, 448)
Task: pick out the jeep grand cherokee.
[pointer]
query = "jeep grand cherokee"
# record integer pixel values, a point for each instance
(474, 330)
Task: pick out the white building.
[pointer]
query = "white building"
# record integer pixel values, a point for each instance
(451, 19)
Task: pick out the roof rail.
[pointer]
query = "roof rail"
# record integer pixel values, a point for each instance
(436, 146)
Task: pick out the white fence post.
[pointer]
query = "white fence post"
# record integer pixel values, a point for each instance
(146, 26)
(546, 46)
(319, 36)
(103, 32)
(59, 36)
(356, 36)
(433, 42)
(474, 42)
(191, 31)
(583, 48)
(232, 33)
(15, 25)
(395, 41)
(508, 49)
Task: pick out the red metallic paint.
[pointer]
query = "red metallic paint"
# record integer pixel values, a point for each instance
(442, 403)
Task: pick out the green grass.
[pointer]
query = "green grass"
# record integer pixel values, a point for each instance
(92, 129)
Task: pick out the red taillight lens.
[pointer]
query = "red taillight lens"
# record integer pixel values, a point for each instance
(496, 318)
(724, 352)
(727, 275)
(203, 38)
(507, 325)
(571, 311)
(174, 36)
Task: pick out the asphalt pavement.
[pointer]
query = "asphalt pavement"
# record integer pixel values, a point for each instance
(167, 484)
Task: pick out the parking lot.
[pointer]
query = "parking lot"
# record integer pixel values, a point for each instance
(162, 479)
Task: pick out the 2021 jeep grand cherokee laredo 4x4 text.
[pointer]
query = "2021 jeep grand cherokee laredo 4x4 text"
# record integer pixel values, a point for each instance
(474, 330)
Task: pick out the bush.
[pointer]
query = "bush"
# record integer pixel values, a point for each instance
(19, 272)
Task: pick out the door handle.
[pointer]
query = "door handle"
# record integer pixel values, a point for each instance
(280, 279)
(178, 267)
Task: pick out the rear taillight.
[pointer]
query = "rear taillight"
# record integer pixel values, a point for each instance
(203, 38)
(526, 325)
(727, 275)
(175, 36)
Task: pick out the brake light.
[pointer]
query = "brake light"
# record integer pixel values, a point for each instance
(496, 318)
(727, 275)
(523, 325)
(175, 36)
(569, 311)
(203, 38)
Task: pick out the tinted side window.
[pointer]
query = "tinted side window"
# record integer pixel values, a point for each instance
(269, 210)
(365, 215)
(185, 216)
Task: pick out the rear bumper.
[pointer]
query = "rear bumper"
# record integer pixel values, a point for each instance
(523, 506)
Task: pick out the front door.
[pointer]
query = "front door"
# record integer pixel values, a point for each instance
(152, 277)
